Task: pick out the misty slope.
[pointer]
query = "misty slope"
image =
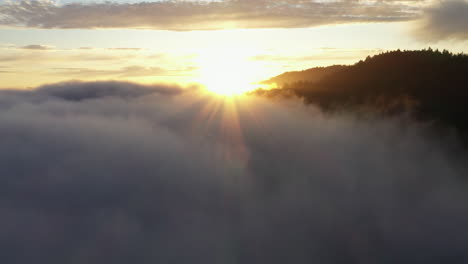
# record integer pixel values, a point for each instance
(432, 85)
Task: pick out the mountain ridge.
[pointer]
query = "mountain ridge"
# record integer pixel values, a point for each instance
(432, 85)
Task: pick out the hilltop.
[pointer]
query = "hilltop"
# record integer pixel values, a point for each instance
(432, 85)
(312, 75)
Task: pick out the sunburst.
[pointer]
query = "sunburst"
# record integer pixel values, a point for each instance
(229, 72)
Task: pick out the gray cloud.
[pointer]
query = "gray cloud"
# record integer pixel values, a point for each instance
(76, 90)
(203, 15)
(36, 47)
(446, 20)
(113, 172)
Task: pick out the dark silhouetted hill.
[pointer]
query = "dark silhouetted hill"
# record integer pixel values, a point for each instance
(310, 75)
(431, 85)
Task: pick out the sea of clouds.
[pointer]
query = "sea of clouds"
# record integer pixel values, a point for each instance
(116, 172)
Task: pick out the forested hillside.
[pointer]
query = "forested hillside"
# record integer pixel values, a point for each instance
(431, 85)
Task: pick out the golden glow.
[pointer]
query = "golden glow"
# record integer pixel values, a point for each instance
(223, 115)
(229, 72)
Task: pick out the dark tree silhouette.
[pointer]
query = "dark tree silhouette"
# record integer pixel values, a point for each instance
(432, 85)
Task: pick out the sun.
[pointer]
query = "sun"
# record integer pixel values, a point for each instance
(228, 72)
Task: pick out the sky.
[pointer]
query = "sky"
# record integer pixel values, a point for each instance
(208, 41)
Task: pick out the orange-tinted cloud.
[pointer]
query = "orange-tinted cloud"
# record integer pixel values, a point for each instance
(203, 15)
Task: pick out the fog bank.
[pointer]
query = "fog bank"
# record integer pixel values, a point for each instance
(114, 172)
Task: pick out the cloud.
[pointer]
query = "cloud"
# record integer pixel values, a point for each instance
(128, 71)
(126, 49)
(77, 91)
(446, 20)
(28, 55)
(4, 69)
(116, 172)
(37, 47)
(321, 54)
(89, 64)
(203, 15)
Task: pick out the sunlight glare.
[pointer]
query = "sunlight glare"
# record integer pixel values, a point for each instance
(229, 72)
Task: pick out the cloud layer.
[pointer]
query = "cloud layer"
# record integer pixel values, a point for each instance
(437, 20)
(45, 64)
(111, 172)
(447, 20)
(202, 15)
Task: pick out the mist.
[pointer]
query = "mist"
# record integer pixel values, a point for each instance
(115, 172)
